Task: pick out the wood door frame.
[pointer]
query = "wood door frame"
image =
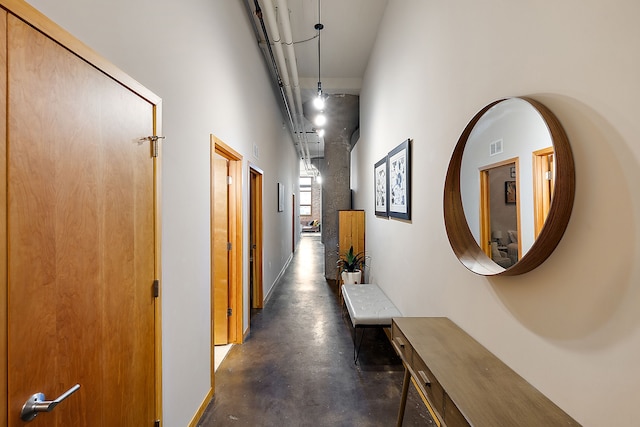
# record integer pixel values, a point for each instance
(256, 217)
(4, 339)
(235, 238)
(40, 22)
(293, 222)
(540, 192)
(485, 203)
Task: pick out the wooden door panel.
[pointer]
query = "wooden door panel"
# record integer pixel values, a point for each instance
(220, 251)
(3, 216)
(81, 238)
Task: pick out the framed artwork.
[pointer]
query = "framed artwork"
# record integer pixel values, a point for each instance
(399, 181)
(510, 192)
(381, 182)
(280, 197)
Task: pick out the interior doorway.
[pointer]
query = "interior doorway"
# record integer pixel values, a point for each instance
(255, 238)
(226, 244)
(293, 223)
(543, 185)
(499, 209)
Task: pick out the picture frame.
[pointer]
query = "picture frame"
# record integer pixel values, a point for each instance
(510, 192)
(280, 197)
(399, 181)
(381, 184)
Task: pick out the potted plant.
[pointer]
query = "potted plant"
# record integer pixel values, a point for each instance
(351, 265)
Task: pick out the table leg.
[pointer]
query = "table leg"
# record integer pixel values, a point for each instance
(405, 391)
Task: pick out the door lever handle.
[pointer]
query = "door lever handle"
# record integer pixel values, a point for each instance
(36, 404)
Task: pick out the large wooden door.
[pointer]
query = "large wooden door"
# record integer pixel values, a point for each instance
(81, 237)
(220, 189)
(226, 243)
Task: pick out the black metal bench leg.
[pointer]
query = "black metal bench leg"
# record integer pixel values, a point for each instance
(356, 353)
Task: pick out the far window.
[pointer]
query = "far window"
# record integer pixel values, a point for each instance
(305, 210)
(305, 196)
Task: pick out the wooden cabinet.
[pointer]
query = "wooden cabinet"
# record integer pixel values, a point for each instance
(463, 383)
(351, 230)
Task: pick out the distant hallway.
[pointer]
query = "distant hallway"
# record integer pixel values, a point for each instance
(296, 367)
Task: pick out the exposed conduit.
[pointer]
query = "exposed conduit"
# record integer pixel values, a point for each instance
(285, 98)
(285, 22)
(290, 73)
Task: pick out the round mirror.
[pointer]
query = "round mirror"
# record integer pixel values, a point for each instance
(509, 188)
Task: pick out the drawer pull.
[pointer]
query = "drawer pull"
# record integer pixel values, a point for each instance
(425, 378)
(400, 342)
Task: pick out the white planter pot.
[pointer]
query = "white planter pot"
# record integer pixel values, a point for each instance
(354, 278)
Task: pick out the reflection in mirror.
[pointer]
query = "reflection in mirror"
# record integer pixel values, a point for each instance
(511, 172)
(499, 214)
(509, 132)
(543, 185)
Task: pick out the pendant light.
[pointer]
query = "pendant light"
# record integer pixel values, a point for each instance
(319, 101)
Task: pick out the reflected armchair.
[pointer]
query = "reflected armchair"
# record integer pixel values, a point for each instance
(499, 257)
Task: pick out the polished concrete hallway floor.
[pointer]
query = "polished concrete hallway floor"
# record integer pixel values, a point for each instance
(296, 366)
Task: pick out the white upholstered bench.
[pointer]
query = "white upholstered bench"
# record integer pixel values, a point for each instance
(368, 306)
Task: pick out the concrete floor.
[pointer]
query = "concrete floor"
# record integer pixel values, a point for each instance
(296, 367)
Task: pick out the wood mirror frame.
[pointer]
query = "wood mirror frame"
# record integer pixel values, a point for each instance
(460, 237)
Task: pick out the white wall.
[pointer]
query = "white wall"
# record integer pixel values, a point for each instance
(571, 326)
(202, 58)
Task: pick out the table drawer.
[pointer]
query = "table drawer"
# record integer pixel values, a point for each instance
(401, 344)
(452, 415)
(429, 384)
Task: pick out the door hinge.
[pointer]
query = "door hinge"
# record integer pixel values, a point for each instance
(229, 180)
(156, 423)
(155, 149)
(228, 246)
(156, 288)
(229, 312)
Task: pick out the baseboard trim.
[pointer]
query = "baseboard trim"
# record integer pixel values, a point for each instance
(201, 409)
(275, 282)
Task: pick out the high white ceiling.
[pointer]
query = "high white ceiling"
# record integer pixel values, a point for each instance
(350, 28)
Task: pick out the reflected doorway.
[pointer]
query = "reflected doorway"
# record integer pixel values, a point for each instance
(500, 212)
(543, 185)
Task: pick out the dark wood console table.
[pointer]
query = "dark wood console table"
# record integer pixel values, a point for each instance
(464, 384)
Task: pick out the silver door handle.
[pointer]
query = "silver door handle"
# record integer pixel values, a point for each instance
(36, 404)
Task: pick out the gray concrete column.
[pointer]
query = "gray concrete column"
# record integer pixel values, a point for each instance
(343, 113)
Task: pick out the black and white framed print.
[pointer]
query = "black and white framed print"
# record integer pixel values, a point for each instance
(280, 197)
(380, 172)
(399, 181)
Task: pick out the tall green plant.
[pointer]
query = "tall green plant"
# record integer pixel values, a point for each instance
(350, 261)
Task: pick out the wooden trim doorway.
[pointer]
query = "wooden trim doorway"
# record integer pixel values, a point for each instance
(543, 185)
(255, 237)
(234, 249)
(293, 222)
(485, 203)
